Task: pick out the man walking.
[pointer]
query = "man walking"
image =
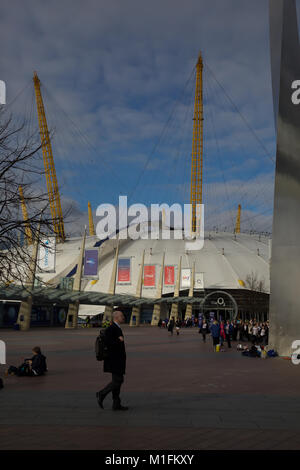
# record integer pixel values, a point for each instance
(115, 362)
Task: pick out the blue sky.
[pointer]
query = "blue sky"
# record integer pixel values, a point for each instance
(118, 86)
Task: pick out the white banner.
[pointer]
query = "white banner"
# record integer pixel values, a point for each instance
(199, 281)
(185, 278)
(46, 258)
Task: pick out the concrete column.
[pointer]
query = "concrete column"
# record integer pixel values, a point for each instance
(157, 307)
(189, 307)
(174, 309)
(285, 267)
(72, 315)
(24, 315)
(136, 311)
(112, 286)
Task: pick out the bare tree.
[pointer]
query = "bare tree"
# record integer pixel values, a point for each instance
(254, 283)
(256, 286)
(20, 165)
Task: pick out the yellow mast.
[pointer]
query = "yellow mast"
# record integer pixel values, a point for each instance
(28, 232)
(52, 186)
(238, 220)
(197, 150)
(91, 222)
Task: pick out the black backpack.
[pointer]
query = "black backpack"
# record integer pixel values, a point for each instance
(101, 348)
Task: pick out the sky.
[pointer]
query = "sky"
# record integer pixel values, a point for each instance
(118, 86)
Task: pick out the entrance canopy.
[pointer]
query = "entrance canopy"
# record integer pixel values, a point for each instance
(44, 295)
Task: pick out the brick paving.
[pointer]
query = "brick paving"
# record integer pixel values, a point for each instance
(181, 395)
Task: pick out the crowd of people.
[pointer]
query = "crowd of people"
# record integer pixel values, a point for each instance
(223, 331)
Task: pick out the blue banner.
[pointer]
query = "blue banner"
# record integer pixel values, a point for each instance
(90, 263)
(211, 317)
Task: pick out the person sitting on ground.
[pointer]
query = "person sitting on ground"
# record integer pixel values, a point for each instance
(31, 367)
(252, 352)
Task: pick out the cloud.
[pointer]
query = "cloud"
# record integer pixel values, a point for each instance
(112, 72)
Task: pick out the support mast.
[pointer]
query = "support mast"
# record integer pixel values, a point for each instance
(52, 186)
(197, 149)
(91, 222)
(238, 220)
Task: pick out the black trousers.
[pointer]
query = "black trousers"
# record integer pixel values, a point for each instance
(228, 340)
(114, 387)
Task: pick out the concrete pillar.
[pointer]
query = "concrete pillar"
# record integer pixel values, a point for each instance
(72, 315)
(157, 307)
(285, 267)
(189, 307)
(24, 315)
(112, 286)
(174, 309)
(136, 311)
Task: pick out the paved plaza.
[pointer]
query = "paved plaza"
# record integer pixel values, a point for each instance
(181, 395)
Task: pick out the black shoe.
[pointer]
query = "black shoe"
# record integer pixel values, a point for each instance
(100, 399)
(120, 408)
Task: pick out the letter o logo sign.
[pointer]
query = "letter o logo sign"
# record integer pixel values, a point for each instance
(220, 301)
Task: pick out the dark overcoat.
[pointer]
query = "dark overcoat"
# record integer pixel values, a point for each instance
(116, 357)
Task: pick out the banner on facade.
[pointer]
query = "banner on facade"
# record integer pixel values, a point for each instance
(46, 256)
(185, 278)
(149, 276)
(199, 281)
(169, 275)
(90, 267)
(211, 317)
(124, 270)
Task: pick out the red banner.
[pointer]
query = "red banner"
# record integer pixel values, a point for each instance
(149, 276)
(124, 270)
(169, 277)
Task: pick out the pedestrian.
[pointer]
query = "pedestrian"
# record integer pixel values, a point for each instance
(228, 332)
(115, 362)
(171, 326)
(235, 331)
(204, 330)
(263, 334)
(250, 330)
(245, 332)
(178, 324)
(222, 333)
(215, 333)
(254, 333)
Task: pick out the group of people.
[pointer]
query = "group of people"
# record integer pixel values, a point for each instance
(189, 322)
(251, 331)
(222, 331)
